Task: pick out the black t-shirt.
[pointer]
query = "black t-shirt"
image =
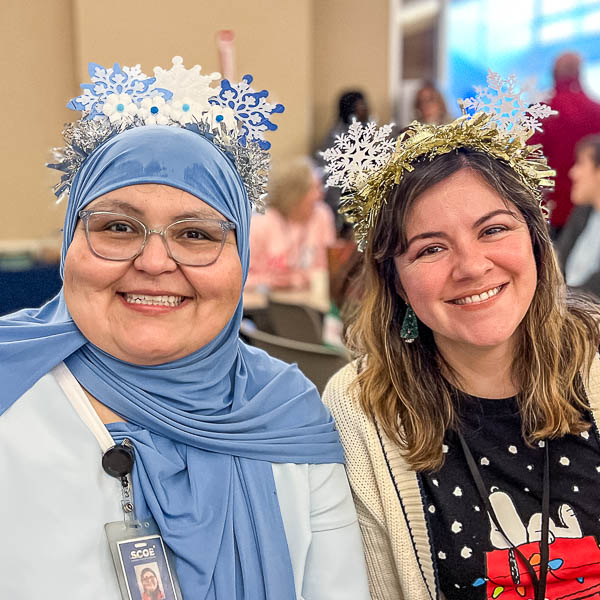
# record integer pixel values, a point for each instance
(473, 561)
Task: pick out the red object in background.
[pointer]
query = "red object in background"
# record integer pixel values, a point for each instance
(573, 571)
(577, 117)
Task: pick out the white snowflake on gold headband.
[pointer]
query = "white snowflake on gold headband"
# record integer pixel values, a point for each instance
(366, 164)
(514, 107)
(355, 155)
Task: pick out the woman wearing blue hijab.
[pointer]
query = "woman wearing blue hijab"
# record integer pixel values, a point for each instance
(236, 461)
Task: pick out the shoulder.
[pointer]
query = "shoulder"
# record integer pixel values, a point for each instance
(327, 487)
(357, 430)
(260, 222)
(46, 387)
(323, 215)
(264, 368)
(593, 385)
(281, 382)
(340, 394)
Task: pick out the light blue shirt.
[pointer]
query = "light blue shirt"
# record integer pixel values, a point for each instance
(584, 258)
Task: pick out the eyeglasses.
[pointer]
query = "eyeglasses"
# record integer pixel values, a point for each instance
(191, 242)
(148, 577)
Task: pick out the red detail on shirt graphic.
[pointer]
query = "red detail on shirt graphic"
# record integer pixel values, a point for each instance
(573, 571)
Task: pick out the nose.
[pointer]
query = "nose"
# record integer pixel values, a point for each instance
(154, 258)
(471, 262)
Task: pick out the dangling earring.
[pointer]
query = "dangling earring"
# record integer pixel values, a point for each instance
(410, 329)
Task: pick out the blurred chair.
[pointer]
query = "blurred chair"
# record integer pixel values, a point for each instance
(317, 362)
(295, 322)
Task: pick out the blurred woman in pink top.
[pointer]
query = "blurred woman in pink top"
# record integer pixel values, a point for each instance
(288, 244)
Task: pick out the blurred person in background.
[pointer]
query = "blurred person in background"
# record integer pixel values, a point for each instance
(351, 105)
(288, 244)
(578, 246)
(430, 106)
(577, 117)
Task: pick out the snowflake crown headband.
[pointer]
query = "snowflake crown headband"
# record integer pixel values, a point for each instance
(234, 117)
(365, 163)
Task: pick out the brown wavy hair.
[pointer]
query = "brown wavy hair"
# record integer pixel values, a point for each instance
(401, 385)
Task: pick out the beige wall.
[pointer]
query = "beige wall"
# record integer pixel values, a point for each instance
(272, 44)
(304, 51)
(350, 50)
(37, 69)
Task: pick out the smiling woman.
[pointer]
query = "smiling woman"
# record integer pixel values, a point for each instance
(115, 268)
(477, 377)
(161, 456)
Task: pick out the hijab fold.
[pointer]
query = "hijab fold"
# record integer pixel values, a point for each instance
(205, 427)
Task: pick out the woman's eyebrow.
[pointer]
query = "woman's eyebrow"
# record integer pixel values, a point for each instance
(111, 204)
(500, 211)
(425, 235)
(121, 206)
(478, 223)
(199, 214)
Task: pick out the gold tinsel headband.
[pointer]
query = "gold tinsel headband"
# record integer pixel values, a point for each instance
(365, 163)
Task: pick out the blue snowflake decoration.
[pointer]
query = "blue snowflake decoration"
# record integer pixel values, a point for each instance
(251, 109)
(126, 80)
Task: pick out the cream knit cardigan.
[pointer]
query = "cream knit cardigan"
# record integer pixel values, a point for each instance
(394, 531)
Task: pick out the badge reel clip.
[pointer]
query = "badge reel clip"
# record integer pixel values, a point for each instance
(142, 562)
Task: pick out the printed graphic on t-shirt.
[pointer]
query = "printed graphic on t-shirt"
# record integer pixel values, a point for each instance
(574, 560)
(472, 558)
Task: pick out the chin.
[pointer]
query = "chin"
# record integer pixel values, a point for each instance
(148, 352)
(484, 339)
(488, 341)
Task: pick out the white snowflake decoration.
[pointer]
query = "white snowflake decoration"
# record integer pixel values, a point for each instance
(154, 111)
(119, 107)
(185, 110)
(221, 116)
(511, 104)
(189, 83)
(358, 154)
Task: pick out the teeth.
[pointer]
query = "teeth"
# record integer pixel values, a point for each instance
(478, 297)
(154, 300)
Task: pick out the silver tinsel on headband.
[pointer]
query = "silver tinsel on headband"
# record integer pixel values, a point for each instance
(82, 137)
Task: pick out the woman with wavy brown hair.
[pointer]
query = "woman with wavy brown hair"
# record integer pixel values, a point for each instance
(469, 417)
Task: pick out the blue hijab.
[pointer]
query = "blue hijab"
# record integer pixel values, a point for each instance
(205, 427)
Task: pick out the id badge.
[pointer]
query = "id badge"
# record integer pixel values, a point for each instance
(144, 565)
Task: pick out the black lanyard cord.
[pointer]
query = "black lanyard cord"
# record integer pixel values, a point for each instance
(539, 583)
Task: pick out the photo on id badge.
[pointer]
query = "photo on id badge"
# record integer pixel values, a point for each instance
(146, 569)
